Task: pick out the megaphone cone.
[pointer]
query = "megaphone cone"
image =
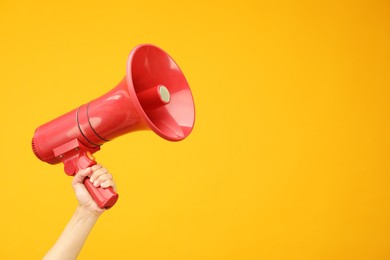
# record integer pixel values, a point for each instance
(154, 95)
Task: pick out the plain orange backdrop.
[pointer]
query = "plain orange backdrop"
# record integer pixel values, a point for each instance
(289, 157)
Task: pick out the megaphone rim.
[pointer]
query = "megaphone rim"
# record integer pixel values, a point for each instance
(137, 103)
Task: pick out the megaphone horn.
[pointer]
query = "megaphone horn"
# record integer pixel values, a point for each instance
(154, 95)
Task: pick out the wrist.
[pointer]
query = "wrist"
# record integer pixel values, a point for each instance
(86, 212)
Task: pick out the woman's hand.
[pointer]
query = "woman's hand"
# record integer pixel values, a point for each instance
(71, 241)
(99, 176)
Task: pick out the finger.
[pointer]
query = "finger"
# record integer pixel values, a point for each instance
(108, 183)
(96, 167)
(102, 178)
(81, 175)
(97, 173)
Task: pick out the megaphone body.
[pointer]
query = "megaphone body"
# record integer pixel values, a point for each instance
(154, 95)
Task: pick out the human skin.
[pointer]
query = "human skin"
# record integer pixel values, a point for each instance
(73, 237)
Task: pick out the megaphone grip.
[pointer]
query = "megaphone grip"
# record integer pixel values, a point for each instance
(104, 197)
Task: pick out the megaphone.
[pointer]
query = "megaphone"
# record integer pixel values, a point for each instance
(154, 95)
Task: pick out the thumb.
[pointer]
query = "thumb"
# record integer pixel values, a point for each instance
(81, 175)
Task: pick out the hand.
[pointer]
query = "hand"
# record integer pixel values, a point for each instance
(99, 176)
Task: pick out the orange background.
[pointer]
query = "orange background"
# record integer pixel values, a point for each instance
(289, 158)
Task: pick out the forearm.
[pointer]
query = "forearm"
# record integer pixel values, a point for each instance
(72, 239)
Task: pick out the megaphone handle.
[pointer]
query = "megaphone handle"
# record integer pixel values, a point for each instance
(76, 156)
(104, 197)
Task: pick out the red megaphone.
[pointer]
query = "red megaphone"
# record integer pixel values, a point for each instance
(153, 95)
